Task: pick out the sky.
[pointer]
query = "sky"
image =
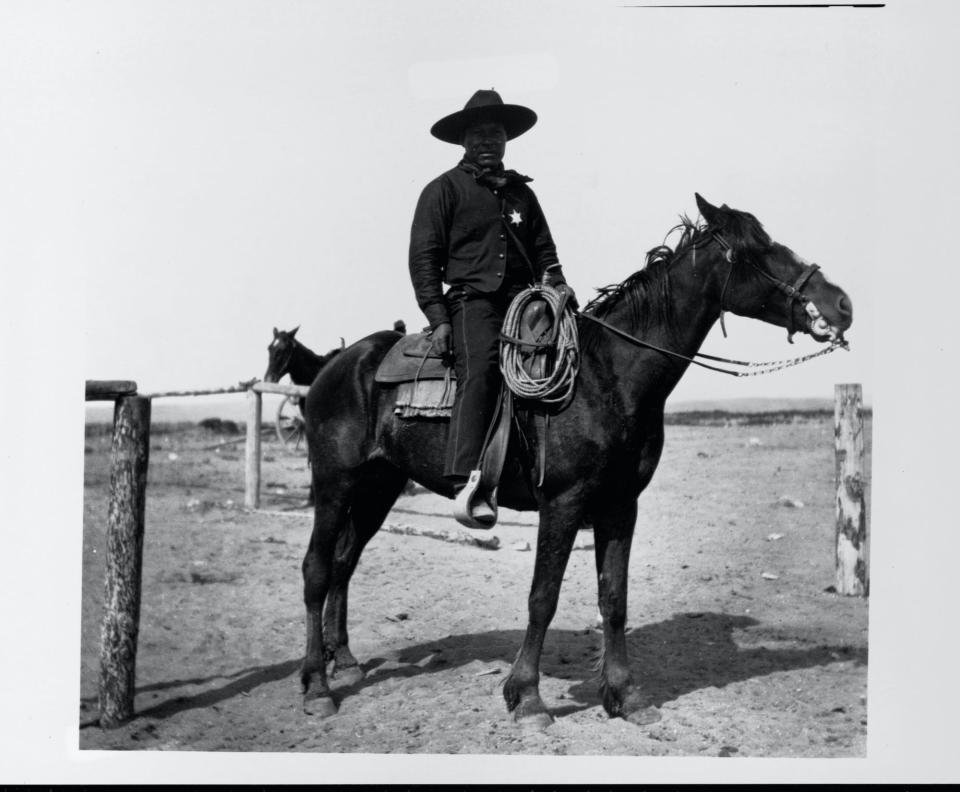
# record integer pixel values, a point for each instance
(234, 168)
(177, 178)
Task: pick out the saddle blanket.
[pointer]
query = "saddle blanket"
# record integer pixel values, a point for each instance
(425, 398)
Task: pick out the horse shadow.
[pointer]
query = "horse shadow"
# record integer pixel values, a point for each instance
(670, 658)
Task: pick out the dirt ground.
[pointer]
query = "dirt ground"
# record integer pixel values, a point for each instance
(733, 630)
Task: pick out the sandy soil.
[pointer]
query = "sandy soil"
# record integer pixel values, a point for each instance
(732, 628)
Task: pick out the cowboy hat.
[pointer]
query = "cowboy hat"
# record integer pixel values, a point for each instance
(484, 105)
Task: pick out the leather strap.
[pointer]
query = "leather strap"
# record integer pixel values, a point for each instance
(494, 452)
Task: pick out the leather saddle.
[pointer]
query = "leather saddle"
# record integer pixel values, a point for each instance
(536, 329)
(412, 359)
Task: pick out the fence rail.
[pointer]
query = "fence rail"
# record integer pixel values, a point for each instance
(109, 390)
(243, 387)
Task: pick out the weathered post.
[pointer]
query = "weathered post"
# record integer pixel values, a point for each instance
(124, 558)
(252, 492)
(852, 559)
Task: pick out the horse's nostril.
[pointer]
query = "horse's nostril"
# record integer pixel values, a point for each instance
(843, 305)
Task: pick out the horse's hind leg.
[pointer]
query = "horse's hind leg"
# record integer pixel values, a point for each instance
(373, 497)
(613, 534)
(331, 520)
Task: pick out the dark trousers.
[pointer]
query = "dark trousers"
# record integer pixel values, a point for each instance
(476, 320)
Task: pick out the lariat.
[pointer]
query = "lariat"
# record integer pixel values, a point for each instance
(561, 340)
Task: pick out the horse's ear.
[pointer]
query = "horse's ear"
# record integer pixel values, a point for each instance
(275, 332)
(294, 331)
(343, 344)
(710, 212)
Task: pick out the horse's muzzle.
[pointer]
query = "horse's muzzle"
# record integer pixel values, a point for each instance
(823, 330)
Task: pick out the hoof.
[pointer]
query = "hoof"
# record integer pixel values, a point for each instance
(537, 722)
(644, 716)
(319, 706)
(349, 675)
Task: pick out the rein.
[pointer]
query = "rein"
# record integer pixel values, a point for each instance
(766, 367)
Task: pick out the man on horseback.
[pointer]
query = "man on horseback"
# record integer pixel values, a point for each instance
(480, 229)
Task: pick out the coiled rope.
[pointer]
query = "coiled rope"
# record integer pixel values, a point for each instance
(561, 343)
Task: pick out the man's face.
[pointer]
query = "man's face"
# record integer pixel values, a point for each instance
(484, 143)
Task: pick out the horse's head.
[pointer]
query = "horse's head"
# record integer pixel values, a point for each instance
(279, 353)
(766, 280)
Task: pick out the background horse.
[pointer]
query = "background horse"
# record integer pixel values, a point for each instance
(286, 355)
(601, 453)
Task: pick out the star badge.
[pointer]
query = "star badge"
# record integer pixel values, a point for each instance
(515, 217)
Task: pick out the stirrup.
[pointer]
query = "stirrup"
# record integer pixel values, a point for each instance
(470, 500)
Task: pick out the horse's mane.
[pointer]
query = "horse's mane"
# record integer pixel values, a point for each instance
(322, 360)
(647, 291)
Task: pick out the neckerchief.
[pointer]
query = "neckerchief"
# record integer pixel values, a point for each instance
(494, 179)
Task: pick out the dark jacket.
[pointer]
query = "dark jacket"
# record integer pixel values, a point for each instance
(460, 236)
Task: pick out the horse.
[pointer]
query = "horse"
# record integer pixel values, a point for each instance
(286, 355)
(601, 450)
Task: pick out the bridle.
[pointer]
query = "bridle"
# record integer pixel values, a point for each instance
(284, 369)
(792, 292)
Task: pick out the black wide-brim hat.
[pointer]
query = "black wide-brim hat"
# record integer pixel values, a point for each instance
(484, 106)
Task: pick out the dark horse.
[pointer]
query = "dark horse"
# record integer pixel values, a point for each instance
(286, 355)
(601, 452)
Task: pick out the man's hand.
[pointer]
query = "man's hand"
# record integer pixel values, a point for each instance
(554, 277)
(564, 288)
(442, 336)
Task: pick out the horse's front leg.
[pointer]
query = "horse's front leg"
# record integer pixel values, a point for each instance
(613, 533)
(559, 521)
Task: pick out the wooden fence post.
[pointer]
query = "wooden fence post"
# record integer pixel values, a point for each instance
(251, 498)
(852, 558)
(124, 561)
